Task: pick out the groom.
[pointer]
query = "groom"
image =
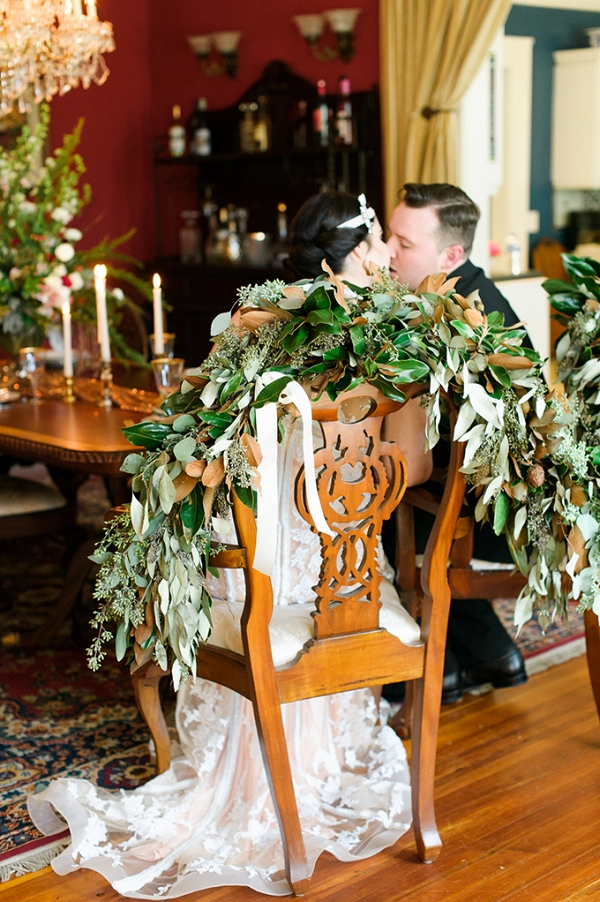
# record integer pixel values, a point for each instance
(431, 231)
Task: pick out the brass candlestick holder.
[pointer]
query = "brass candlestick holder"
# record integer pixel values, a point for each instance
(106, 382)
(69, 395)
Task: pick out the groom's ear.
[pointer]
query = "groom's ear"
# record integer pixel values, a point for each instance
(451, 257)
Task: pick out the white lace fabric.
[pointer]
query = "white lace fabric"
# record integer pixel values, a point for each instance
(209, 820)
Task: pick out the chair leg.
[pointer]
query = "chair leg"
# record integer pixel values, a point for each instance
(76, 574)
(423, 756)
(146, 682)
(402, 720)
(592, 647)
(273, 746)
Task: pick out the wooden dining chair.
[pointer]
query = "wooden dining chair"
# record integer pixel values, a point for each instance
(360, 478)
(30, 508)
(464, 579)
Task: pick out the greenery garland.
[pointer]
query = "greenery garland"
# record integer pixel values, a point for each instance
(532, 475)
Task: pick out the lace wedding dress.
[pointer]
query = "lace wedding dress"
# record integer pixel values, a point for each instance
(208, 821)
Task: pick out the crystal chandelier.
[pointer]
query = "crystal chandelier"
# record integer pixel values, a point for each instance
(49, 47)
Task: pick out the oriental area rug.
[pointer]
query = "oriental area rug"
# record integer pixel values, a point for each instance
(59, 719)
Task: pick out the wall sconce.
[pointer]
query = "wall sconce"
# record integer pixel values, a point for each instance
(225, 46)
(340, 21)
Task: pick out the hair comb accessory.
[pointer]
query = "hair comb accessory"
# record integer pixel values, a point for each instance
(366, 217)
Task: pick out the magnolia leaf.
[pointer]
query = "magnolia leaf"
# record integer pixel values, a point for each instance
(252, 318)
(432, 283)
(473, 318)
(509, 361)
(252, 449)
(293, 298)
(338, 285)
(184, 484)
(214, 473)
(220, 323)
(209, 393)
(195, 468)
(272, 391)
(192, 513)
(148, 435)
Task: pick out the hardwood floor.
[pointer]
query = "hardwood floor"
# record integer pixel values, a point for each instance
(518, 802)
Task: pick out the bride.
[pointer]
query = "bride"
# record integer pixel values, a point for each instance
(208, 820)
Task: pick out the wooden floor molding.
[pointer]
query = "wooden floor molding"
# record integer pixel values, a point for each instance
(518, 801)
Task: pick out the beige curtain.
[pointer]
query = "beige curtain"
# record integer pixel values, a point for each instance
(430, 52)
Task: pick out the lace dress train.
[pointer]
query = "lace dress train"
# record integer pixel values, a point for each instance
(209, 821)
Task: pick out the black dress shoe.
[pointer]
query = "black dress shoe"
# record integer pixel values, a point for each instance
(506, 670)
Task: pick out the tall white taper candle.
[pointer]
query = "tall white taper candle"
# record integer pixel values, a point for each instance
(159, 335)
(100, 285)
(67, 341)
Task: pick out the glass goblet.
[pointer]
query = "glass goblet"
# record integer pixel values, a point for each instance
(168, 372)
(32, 365)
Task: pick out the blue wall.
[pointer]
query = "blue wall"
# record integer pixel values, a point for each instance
(553, 29)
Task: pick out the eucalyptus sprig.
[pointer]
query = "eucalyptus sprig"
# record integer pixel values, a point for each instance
(522, 460)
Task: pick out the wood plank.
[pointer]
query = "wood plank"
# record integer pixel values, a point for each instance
(518, 800)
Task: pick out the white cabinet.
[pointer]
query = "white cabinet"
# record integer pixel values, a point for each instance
(576, 119)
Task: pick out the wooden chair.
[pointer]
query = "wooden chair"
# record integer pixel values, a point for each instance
(348, 648)
(546, 257)
(29, 508)
(464, 580)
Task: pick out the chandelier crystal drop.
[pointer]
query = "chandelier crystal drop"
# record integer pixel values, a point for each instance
(48, 47)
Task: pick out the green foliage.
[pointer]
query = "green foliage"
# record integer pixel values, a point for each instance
(524, 459)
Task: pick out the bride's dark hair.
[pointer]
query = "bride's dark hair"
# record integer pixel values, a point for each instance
(314, 236)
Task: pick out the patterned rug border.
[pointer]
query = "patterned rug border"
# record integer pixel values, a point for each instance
(33, 856)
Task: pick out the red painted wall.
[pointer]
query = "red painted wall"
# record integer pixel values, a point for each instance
(117, 136)
(153, 68)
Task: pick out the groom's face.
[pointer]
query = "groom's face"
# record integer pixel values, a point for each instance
(414, 245)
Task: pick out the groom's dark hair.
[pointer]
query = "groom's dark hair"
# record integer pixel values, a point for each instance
(457, 213)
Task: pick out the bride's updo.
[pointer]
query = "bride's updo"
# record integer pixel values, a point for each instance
(314, 235)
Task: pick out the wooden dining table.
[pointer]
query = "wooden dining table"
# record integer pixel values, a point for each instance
(81, 437)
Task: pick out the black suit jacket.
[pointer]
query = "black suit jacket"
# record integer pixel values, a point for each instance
(473, 277)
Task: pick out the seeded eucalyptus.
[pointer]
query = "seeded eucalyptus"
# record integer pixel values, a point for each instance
(527, 468)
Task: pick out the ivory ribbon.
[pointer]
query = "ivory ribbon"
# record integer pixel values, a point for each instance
(268, 496)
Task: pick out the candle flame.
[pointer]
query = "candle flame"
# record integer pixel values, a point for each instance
(100, 271)
(156, 280)
(66, 308)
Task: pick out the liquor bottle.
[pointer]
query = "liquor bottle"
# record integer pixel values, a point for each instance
(262, 126)
(198, 130)
(301, 125)
(189, 238)
(321, 116)
(247, 142)
(343, 113)
(177, 134)
(280, 250)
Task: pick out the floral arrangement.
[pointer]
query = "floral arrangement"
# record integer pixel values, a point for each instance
(40, 267)
(532, 475)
